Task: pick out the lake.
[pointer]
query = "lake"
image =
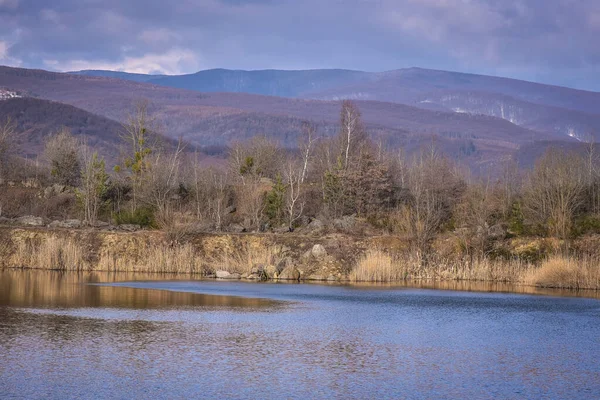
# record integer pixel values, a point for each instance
(94, 335)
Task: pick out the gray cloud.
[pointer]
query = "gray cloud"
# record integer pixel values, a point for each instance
(547, 40)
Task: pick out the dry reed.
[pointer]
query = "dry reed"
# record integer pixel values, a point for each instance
(564, 272)
(54, 253)
(377, 265)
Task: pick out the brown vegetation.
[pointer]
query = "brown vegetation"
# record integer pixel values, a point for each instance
(346, 183)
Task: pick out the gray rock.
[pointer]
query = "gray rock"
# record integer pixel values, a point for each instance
(318, 251)
(253, 277)
(307, 255)
(71, 223)
(345, 223)
(316, 277)
(289, 274)
(315, 226)
(234, 276)
(30, 220)
(236, 228)
(222, 274)
(101, 224)
(230, 210)
(281, 230)
(129, 227)
(284, 263)
(5, 221)
(257, 269)
(271, 272)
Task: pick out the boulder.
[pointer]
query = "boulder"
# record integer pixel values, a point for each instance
(101, 224)
(236, 228)
(316, 277)
(253, 277)
(271, 272)
(129, 227)
(257, 269)
(315, 226)
(226, 275)
(71, 223)
(30, 220)
(290, 274)
(318, 251)
(284, 263)
(281, 230)
(344, 224)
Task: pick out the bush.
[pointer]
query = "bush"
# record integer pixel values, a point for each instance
(586, 224)
(143, 217)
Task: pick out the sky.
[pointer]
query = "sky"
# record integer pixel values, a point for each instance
(550, 41)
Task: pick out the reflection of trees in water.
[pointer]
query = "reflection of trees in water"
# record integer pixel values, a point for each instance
(42, 289)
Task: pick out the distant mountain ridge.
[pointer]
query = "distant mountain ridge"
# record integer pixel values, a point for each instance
(218, 119)
(564, 111)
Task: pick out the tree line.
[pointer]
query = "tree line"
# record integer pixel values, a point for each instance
(263, 186)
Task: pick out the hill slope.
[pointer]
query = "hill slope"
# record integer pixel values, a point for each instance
(220, 118)
(565, 111)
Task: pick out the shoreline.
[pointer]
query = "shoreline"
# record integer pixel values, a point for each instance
(296, 257)
(116, 279)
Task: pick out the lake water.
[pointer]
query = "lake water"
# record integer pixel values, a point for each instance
(67, 335)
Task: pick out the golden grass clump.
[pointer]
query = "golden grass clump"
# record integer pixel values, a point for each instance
(565, 272)
(154, 258)
(52, 253)
(377, 266)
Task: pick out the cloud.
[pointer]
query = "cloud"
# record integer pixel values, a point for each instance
(552, 40)
(175, 61)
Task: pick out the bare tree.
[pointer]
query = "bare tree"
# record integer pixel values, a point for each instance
(294, 203)
(305, 145)
(433, 191)
(352, 133)
(555, 190)
(254, 165)
(62, 153)
(160, 182)
(94, 184)
(139, 134)
(256, 159)
(7, 144)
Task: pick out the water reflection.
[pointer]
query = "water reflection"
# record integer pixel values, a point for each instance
(62, 338)
(52, 289)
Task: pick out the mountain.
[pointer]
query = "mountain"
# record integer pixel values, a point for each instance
(36, 119)
(540, 107)
(266, 82)
(118, 74)
(218, 119)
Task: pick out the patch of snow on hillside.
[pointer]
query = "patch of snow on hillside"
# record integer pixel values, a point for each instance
(8, 94)
(572, 133)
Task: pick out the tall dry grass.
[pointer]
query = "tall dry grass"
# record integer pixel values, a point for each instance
(156, 258)
(53, 253)
(377, 265)
(153, 256)
(564, 272)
